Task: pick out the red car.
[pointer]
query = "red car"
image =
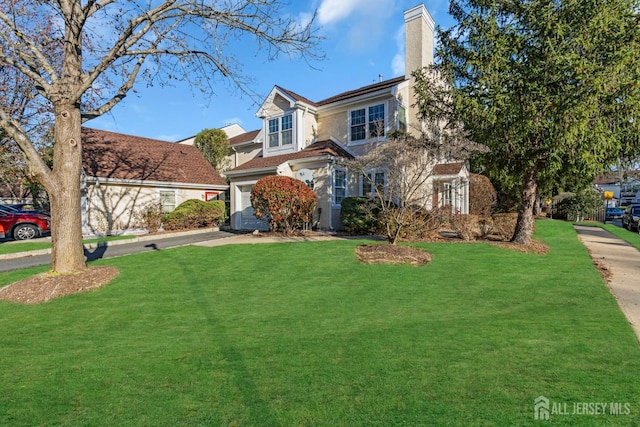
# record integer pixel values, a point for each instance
(23, 225)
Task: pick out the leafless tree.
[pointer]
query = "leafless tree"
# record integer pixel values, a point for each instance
(82, 57)
(407, 159)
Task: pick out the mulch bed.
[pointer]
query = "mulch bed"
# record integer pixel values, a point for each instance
(47, 286)
(391, 254)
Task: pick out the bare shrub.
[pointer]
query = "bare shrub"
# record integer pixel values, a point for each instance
(504, 225)
(466, 226)
(485, 225)
(150, 216)
(482, 195)
(421, 224)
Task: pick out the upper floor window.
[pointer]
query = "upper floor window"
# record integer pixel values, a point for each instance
(281, 131)
(367, 121)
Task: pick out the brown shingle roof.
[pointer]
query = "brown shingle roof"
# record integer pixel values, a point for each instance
(362, 91)
(447, 168)
(345, 95)
(244, 137)
(319, 148)
(296, 96)
(119, 156)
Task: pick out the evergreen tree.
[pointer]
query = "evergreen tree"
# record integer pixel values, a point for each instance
(550, 86)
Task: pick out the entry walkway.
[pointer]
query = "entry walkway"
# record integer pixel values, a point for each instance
(623, 261)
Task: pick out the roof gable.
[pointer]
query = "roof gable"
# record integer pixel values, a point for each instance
(119, 156)
(317, 149)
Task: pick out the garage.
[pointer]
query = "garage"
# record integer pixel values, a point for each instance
(247, 220)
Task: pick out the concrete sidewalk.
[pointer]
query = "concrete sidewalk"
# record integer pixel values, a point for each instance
(623, 261)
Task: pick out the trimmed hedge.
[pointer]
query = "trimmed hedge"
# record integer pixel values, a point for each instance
(194, 213)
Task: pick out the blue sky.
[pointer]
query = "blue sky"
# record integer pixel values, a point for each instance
(362, 39)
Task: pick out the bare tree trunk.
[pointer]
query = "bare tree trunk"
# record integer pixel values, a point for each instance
(524, 224)
(67, 253)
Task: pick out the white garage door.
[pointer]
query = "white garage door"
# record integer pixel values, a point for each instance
(247, 218)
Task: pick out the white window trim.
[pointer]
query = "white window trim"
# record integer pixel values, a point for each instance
(279, 118)
(373, 189)
(368, 138)
(175, 198)
(333, 185)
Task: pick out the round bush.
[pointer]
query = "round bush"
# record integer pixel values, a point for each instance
(287, 204)
(194, 213)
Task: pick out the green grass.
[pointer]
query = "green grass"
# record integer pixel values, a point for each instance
(302, 334)
(633, 238)
(15, 247)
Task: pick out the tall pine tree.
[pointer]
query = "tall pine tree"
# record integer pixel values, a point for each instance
(551, 87)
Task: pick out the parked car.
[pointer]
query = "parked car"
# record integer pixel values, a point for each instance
(631, 218)
(613, 213)
(24, 207)
(23, 225)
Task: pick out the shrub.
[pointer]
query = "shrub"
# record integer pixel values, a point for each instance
(421, 224)
(581, 205)
(467, 226)
(482, 195)
(194, 213)
(287, 204)
(360, 215)
(150, 216)
(504, 225)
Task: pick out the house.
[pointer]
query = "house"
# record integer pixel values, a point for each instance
(123, 174)
(309, 139)
(243, 145)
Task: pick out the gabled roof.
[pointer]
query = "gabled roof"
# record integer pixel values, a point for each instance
(297, 97)
(244, 137)
(119, 156)
(363, 90)
(317, 149)
(447, 168)
(344, 95)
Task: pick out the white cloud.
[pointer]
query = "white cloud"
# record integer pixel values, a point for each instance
(332, 11)
(397, 63)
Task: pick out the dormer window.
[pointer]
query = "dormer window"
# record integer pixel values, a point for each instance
(281, 131)
(367, 122)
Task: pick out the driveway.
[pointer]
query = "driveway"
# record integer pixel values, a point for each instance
(623, 261)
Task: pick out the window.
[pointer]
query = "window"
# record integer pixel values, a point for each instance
(339, 185)
(281, 131)
(402, 118)
(168, 200)
(358, 125)
(447, 194)
(376, 121)
(376, 178)
(367, 121)
(287, 130)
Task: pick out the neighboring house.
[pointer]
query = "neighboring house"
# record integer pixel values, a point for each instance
(243, 145)
(124, 174)
(309, 140)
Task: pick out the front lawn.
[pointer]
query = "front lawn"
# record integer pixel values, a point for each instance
(302, 334)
